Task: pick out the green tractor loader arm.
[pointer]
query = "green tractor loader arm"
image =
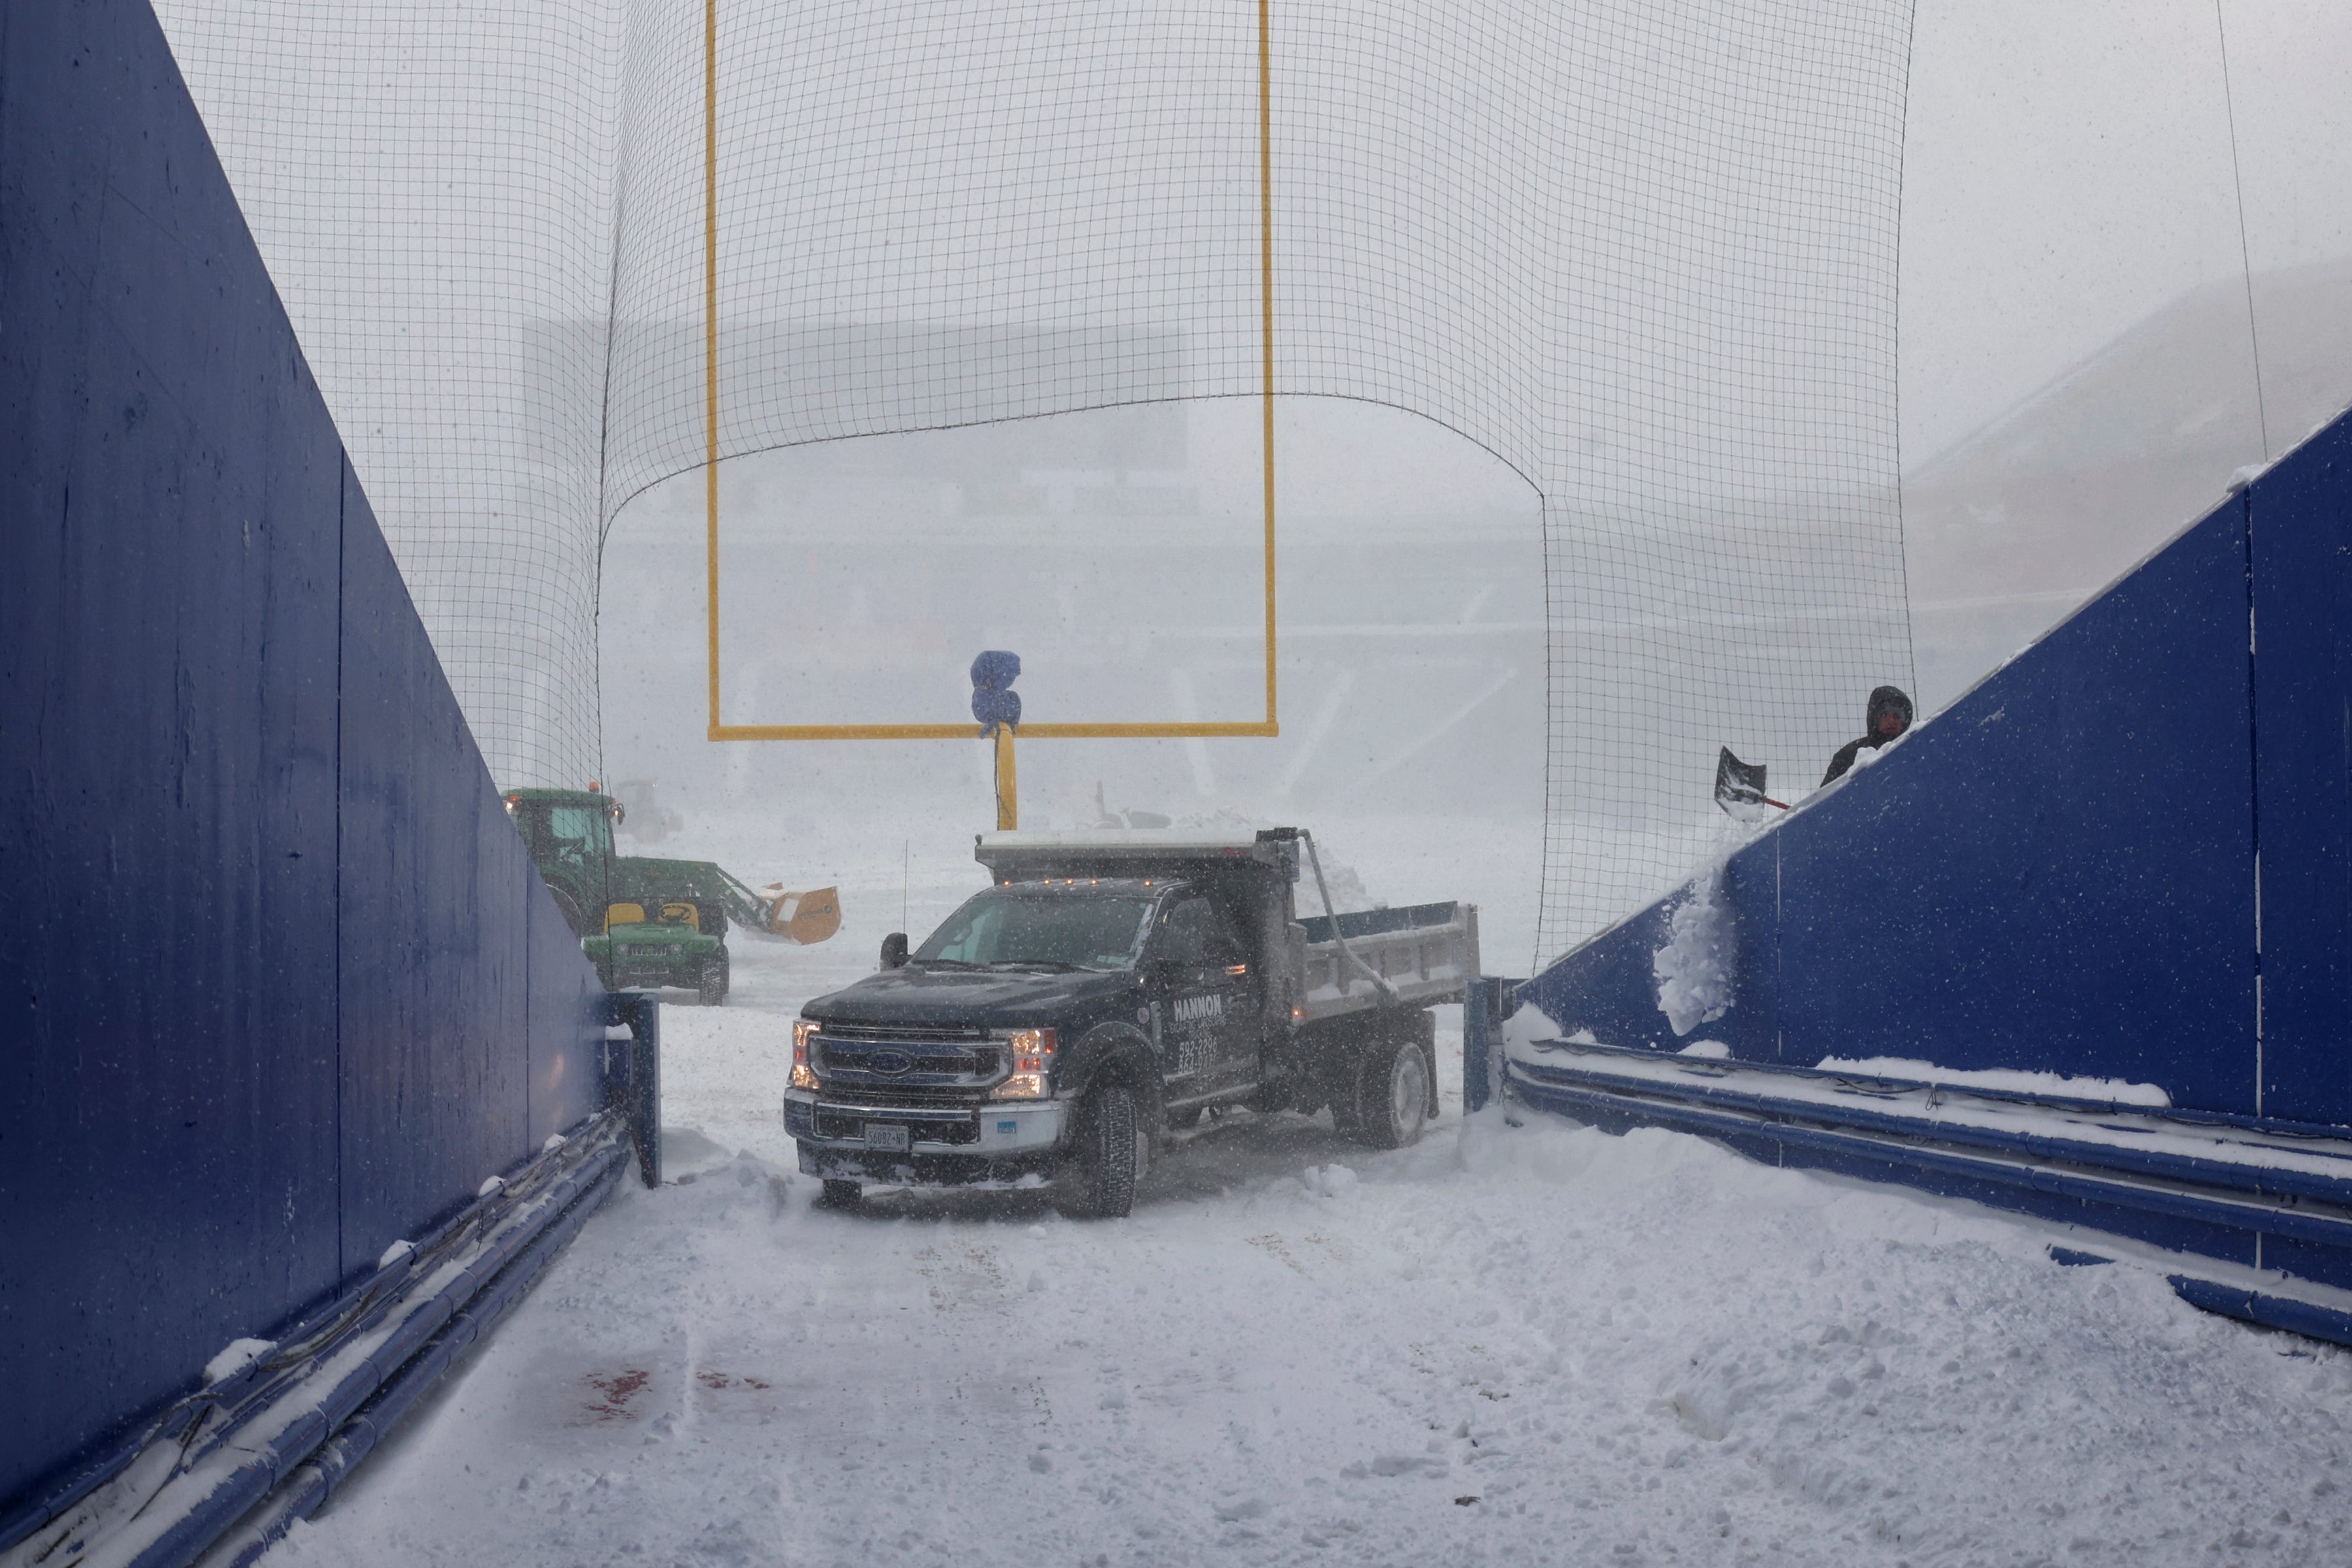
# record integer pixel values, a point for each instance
(805, 918)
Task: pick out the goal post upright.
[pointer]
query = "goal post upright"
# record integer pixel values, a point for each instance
(1265, 312)
(719, 729)
(710, 339)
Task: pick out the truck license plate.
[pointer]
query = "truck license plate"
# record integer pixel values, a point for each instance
(887, 1136)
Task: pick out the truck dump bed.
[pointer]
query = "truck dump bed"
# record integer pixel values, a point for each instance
(1132, 852)
(1421, 955)
(1426, 953)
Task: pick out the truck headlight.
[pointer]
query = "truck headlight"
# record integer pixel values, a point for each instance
(1032, 1055)
(804, 1076)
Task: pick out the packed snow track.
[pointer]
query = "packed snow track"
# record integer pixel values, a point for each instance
(1525, 1345)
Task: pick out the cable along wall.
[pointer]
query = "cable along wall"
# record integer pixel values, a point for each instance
(1642, 250)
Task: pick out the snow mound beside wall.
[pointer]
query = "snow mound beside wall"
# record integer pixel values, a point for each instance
(1694, 967)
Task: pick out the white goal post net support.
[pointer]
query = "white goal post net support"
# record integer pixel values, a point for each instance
(1642, 251)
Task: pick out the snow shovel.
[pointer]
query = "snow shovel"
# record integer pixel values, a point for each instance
(1739, 788)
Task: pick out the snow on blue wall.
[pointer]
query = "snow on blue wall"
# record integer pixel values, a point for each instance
(2059, 872)
(282, 986)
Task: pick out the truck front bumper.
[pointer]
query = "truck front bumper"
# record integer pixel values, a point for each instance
(943, 1146)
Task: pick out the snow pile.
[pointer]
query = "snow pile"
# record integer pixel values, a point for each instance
(1332, 1181)
(234, 1357)
(1538, 1345)
(1348, 891)
(1706, 1050)
(1530, 1026)
(1504, 1345)
(1531, 1030)
(1693, 969)
(2016, 1080)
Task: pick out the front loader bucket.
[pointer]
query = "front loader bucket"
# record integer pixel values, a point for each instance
(805, 918)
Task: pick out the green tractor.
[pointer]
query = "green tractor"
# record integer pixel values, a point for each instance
(636, 932)
(645, 922)
(660, 942)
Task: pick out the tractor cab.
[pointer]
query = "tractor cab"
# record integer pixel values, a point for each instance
(569, 836)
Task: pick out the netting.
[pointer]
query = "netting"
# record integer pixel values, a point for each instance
(1641, 250)
(431, 185)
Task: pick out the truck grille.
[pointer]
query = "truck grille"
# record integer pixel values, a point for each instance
(862, 1089)
(906, 1033)
(912, 1065)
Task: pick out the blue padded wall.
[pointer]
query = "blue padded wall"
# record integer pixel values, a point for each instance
(565, 1082)
(283, 986)
(2300, 520)
(2058, 873)
(434, 1020)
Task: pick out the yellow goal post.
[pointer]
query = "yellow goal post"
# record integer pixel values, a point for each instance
(721, 730)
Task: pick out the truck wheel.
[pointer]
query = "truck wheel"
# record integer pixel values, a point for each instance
(1393, 1093)
(1098, 1180)
(839, 1194)
(714, 983)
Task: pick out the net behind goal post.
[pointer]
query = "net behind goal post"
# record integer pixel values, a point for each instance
(1642, 251)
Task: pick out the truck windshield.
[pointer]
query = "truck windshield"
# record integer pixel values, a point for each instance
(1066, 932)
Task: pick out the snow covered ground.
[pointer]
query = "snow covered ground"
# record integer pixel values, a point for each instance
(1534, 1344)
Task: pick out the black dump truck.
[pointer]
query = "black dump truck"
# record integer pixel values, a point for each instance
(1102, 993)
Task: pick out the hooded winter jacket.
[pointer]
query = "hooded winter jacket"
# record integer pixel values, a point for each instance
(1886, 699)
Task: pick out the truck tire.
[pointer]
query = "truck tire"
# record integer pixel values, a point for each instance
(1394, 1092)
(840, 1195)
(714, 981)
(1097, 1181)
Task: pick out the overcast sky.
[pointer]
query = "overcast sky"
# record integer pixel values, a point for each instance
(2068, 171)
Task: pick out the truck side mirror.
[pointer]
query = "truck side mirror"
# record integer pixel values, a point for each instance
(894, 951)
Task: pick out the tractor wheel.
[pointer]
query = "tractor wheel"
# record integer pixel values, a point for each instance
(714, 981)
(1097, 1182)
(573, 915)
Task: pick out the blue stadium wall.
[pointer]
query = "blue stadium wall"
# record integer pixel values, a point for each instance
(2123, 855)
(281, 985)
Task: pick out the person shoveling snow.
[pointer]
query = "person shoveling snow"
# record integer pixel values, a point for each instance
(1887, 717)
